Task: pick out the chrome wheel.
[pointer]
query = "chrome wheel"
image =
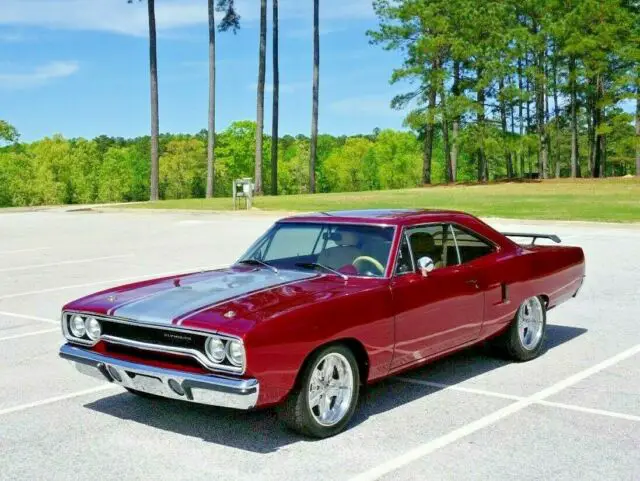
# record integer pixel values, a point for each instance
(330, 389)
(530, 323)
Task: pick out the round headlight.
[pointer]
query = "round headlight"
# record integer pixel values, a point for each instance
(215, 349)
(76, 326)
(92, 325)
(235, 353)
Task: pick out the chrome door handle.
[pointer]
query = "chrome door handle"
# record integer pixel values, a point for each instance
(473, 282)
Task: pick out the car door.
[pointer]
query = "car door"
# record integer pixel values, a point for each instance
(438, 312)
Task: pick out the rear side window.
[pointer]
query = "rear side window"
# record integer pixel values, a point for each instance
(470, 246)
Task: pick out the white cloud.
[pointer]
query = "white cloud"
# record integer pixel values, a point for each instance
(117, 16)
(12, 37)
(378, 105)
(38, 76)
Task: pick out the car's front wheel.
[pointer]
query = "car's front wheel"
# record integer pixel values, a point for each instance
(524, 340)
(326, 395)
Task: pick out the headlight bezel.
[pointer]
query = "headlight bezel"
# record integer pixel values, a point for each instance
(77, 331)
(229, 355)
(222, 349)
(73, 335)
(87, 323)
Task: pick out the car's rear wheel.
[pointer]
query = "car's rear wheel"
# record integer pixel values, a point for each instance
(524, 340)
(326, 395)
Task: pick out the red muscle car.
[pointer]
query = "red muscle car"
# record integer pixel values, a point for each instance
(321, 305)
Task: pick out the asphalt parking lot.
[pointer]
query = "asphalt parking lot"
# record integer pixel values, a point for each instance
(573, 413)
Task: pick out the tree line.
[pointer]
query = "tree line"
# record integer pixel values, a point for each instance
(57, 170)
(541, 84)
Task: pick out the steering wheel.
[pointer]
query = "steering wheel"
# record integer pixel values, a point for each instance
(359, 260)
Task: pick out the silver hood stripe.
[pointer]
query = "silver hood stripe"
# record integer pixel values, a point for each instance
(181, 301)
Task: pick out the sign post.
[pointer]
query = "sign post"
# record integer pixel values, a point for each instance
(243, 189)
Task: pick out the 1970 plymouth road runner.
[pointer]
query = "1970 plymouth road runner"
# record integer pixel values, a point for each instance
(321, 305)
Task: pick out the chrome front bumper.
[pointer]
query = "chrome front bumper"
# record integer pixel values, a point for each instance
(208, 389)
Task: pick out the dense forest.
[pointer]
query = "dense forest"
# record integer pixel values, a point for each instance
(105, 169)
(499, 89)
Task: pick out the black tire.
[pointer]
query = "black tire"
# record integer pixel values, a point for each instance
(142, 394)
(509, 344)
(295, 412)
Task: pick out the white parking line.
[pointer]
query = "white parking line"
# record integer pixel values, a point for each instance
(601, 412)
(453, 387)
(492, 418)
(18, 251)
(36, 333)
(482, 392)
(51, 400)
(62, 263)
(111, 281)
(31, 318)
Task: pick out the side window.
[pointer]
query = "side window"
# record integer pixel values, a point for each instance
(404, 263)
(470, 246)
(429, 241)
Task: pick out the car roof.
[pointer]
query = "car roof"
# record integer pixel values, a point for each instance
(380, 216)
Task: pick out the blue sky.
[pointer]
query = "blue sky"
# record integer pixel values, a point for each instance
(80, 68)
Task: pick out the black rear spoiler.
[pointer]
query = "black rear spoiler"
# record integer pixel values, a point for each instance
(533, 237)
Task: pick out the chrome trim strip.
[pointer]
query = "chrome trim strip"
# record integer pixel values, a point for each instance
(198, 388)
(181, 351)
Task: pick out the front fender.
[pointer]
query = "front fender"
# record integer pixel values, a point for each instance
(277, 347)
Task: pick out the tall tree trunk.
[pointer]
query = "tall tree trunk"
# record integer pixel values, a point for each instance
(429, 132)
(638, 128)
(573, 87)
(445, 135)
(482, 160)
(155, 121)
(597, 122)
(503, 121)
(456, 124)
(211, 140)
(260, 107)
(590, 126)
(556, 115)
(543, 153)
(520, 118)
(276, 102)
(316, 93)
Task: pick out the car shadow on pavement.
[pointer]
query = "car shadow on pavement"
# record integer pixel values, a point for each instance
(260, 431)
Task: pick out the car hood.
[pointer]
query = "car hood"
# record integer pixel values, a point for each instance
(229, 299)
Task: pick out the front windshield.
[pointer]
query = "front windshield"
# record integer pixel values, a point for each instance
(358, 250)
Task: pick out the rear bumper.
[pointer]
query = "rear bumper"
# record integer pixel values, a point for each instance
(211, 389)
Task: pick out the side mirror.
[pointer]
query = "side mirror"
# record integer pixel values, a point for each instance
(425, 265)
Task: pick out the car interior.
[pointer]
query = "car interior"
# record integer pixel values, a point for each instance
(438, 242)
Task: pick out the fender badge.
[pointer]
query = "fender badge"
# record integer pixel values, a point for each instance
(229, 314)
(111, 298)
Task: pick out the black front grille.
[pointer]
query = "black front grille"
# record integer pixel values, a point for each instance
(154, 336)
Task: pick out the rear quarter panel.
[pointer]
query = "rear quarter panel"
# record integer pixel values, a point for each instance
(554, 272)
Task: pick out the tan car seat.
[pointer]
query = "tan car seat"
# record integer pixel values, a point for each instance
(343, 253)
(422, 244)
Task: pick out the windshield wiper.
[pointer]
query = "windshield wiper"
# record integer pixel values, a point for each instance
(315, 265)
(257, 262)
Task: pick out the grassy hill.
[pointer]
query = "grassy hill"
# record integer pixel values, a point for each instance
(612, 200)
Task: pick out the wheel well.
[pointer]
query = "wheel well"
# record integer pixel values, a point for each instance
(545, 299)
(355, 346)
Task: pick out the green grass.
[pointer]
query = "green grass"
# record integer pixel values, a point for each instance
(612, 200)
